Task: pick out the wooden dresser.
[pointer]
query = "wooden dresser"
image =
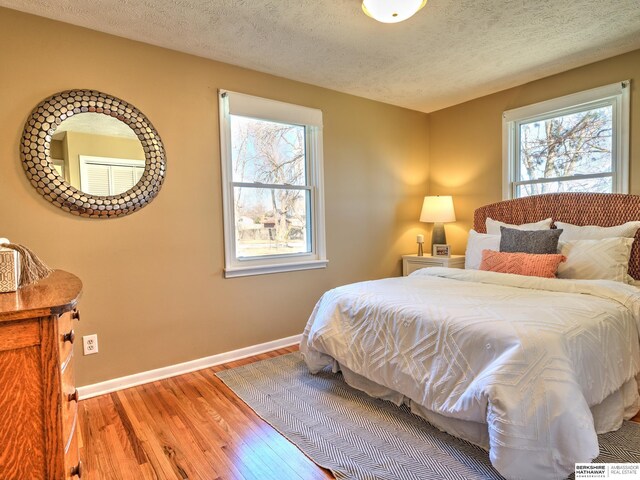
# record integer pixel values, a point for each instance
(38, 398)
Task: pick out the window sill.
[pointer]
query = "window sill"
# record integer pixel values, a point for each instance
(232, 272)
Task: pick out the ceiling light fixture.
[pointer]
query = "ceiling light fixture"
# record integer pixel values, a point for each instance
(392, 11)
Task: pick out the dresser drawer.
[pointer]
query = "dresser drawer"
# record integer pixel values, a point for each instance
(18, 335)
(66, 335)
(72, 464)
(68, 399)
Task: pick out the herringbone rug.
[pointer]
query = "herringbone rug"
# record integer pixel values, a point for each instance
(358, 437)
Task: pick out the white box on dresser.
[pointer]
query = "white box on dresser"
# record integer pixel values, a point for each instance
(9, 270)
(411, 263)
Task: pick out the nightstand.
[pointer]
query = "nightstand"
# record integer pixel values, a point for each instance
(411, 263)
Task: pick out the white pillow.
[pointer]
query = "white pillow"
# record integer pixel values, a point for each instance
(606, 259)
(476, 243)
(593, 232)
(493, 226)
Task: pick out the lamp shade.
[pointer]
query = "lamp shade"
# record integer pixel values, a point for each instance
(438, 209)
(392, 11)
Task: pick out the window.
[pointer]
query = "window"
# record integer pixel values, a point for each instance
(272, 185)
(576, 143)
(109, 176)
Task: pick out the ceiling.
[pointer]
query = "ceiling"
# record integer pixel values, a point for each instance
(96, 124)
(449, 52)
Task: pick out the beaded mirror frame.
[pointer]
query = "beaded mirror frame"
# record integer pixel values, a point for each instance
(36, 155)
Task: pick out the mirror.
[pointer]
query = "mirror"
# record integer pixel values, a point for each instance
(92, 154)
(97, 154)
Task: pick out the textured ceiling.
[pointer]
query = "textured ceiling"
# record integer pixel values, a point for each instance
(450, 52)
(96, 124)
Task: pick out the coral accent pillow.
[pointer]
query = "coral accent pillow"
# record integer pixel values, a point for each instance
(530, 264)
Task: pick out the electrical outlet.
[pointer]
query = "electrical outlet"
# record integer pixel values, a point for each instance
(90, 344)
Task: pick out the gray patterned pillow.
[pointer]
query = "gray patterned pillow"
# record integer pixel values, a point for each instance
(529, 241)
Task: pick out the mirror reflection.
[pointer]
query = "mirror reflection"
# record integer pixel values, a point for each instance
(97, 154)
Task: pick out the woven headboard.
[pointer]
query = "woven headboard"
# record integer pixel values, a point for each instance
(603, 209)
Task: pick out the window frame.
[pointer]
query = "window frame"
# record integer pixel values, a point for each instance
(273, 111)
(616, 94)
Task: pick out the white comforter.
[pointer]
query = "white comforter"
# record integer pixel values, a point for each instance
(525, 360)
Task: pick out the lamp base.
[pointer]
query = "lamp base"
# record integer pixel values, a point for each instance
(438, 237)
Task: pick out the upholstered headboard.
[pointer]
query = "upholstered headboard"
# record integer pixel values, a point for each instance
(603, 209)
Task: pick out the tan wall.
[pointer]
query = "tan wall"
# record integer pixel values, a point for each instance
(57, 150)
(465, 150)
(154, 291)
(98, 146)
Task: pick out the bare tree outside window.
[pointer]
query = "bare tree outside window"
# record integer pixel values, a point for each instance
(568, 153)
(271, 158)
(271, 196)
(574, 143)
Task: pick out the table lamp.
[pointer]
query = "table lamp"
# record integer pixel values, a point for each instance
(438, 209)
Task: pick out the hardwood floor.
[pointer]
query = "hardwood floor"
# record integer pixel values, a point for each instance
(186, 427)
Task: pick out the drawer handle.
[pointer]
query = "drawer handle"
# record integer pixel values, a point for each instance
(69, 337)
(75, 315)
(73, 397)
(77, 470)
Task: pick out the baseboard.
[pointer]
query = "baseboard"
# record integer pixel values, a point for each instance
(129, 381)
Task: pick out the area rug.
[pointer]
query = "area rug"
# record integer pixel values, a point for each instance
(358, 437)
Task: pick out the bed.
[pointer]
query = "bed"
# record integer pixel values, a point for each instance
(531, 369)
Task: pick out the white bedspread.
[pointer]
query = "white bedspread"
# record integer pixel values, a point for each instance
(528, 359)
